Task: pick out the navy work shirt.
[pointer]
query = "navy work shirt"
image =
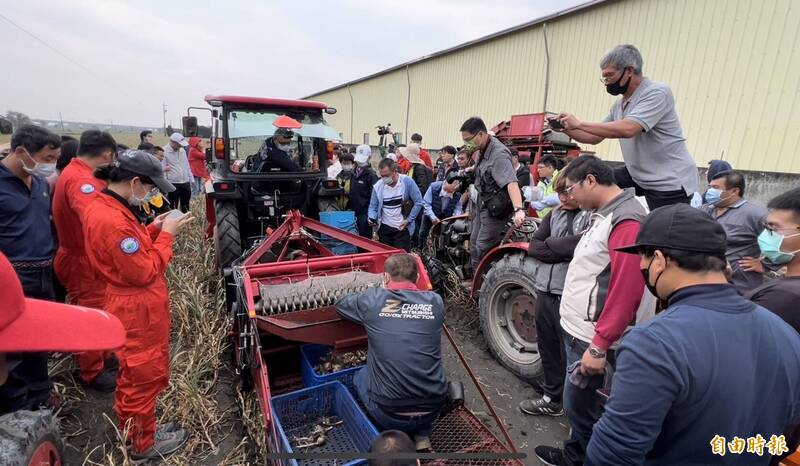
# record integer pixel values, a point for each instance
(404, 328)
(712, 366)
(25, 231)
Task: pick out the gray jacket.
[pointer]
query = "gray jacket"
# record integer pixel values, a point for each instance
(553, 245)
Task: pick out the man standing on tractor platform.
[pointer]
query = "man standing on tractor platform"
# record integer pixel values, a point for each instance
(361, 183)
(76, 189)
(657, 162)
(394, 205)
(178, 172)
(26, 239)
(603, 295)
(499, 195)
(404, 385)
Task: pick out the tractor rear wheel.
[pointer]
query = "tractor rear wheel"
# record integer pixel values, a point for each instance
(507, 314)
(29, 438)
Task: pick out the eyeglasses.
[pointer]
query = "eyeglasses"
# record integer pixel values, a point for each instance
(610, 79)
(568, 191)
(472, 137)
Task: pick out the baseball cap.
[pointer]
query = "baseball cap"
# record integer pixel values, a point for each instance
(411, 152)
(363, 152)
(34, 325)
(142, 163)
(681, 227)
(178, 137)
(284, 133)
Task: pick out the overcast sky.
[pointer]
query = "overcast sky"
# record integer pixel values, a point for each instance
(122, 59)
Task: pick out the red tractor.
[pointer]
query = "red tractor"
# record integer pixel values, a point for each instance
(246, 200)
(503, 282)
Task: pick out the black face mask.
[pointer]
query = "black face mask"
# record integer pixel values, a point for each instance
(616, 88)
(646, 276)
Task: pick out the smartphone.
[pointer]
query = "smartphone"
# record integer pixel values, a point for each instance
(175, 213)
(554, 124)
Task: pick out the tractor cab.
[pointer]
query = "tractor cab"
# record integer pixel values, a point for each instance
(269, 157)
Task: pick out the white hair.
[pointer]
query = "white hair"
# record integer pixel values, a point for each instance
(623, 56)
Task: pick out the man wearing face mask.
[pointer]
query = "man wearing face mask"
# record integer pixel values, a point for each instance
(75, 189)
(743, 221)
(361, 183)
(499, 194)
(644, 119)
(780, 245)
(711, 364)
(390, 199)
(26, 239)
(345, 179)
(274, 153)
(441, 200)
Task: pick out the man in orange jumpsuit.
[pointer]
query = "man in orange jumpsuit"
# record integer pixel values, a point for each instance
(75, 188)
(132, 260)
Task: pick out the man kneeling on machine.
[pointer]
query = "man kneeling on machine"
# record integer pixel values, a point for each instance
(403, 385)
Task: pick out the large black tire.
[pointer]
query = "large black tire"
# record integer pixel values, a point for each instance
(227, 244)
(436, 273)
(228, 238)
(30, 438)
(507, 315)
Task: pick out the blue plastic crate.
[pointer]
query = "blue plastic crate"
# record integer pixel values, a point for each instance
(296, 413)
(343, 220)
(310, 355)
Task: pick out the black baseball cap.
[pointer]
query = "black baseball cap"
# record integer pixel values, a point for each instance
(142, 163)
(681, 227)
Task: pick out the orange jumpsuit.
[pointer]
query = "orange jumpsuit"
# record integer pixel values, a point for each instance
(132, 259)
(75, 189)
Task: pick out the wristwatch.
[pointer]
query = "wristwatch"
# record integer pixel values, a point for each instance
(596, 353)
(519, 209)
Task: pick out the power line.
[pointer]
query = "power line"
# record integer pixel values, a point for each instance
(69, 59)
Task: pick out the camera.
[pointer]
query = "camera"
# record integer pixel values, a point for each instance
(465, 177)
(384, 130)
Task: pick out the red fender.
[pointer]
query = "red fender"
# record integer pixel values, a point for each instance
(490, 258)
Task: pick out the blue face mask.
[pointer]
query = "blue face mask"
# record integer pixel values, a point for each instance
(770, 244)
(713, 196)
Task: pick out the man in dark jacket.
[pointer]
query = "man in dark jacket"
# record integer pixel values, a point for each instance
(446, 163)
(274, 154)
(709, 375)
(361, 183)
(422, 176)
(401, 389)
(522, 169)
(552, 246)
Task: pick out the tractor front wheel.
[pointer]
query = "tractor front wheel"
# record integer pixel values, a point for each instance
(507, 314)
(30, 438)
(227, 243)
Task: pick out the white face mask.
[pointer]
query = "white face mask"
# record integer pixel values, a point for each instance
(40, 169)
(140, 201)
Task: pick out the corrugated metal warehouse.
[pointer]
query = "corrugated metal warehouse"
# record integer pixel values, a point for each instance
(733, 65)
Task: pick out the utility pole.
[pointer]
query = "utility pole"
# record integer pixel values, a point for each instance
(62, 122)
(164, 107)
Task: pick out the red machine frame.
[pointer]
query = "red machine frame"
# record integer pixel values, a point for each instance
(323, 325)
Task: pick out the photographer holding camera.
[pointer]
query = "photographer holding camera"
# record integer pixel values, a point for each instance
(499, 195)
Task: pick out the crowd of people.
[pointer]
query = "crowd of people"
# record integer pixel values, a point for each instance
(86, 230)
(666, 318)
